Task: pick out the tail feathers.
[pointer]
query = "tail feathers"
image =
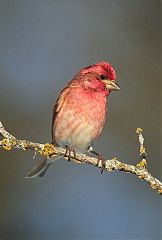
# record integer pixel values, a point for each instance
(41, 167)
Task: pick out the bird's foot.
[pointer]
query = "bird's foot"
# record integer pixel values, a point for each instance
(69, 153)
(101, 162)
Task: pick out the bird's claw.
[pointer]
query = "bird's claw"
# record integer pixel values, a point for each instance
(101, 162)
(69, 153)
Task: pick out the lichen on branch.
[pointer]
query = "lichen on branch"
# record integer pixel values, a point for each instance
(9, 142)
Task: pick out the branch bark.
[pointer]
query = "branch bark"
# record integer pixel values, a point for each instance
(9, 142)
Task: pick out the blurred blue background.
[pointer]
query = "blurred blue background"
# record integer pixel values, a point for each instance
(42, 45)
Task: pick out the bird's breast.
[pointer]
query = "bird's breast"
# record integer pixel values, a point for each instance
(80, 120)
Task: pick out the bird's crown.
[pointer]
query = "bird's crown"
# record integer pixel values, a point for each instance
(101, 68)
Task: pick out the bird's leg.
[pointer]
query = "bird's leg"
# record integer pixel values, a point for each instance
(100, 158)
(69, 153)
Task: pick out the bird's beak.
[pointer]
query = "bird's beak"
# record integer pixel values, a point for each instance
(111, 85)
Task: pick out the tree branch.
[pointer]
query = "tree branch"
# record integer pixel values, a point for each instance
(9, 142)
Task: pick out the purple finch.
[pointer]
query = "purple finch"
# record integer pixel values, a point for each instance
(80, 111)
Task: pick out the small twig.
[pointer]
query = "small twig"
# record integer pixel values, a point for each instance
(142, 150)
(9, 142)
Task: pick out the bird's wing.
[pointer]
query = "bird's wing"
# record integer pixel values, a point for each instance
(59, 103)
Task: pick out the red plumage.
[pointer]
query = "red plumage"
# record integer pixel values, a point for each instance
(79, 115)
(80, 111)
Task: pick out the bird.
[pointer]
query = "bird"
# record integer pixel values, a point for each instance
(79, 113)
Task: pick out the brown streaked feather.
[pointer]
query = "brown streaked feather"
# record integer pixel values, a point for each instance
(59, 102)
(57, 107)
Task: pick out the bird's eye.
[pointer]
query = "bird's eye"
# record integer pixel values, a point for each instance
(102, 77)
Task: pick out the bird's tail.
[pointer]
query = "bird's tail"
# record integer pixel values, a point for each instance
(41, 167)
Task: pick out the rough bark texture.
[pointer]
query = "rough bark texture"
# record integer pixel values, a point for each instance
(9, 142)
